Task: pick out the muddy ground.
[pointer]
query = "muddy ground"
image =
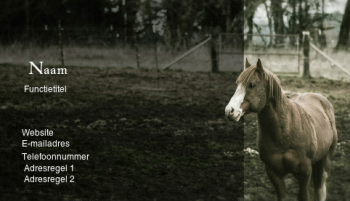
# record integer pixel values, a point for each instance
(152, 136)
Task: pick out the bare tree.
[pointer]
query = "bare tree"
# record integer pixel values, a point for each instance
(180, 17)
(269, 19)
(249, 13)
(343, 40)
(277, 14)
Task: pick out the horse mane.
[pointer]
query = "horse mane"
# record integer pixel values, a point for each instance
(274, 86)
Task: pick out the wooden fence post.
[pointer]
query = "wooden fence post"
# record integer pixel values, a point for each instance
(306, 53)
(137, 50)
(214, 54)
(60, 42)
(155, 50)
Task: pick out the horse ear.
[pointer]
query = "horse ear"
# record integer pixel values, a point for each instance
(247, 64)
(260, 67)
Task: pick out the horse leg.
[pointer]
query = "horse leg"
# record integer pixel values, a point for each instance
(320, 172)
(277, 182)
(304, 177)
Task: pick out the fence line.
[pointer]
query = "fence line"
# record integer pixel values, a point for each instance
(246, 34)
(66, 37)
(330, 59)
(254, 47)
(260, 53)
(187, 53)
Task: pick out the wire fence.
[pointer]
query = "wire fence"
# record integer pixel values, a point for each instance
(281, 52)
(103, 48)
(329, 64)
(108, 48)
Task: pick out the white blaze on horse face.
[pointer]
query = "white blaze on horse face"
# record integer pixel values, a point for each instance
(233, 109)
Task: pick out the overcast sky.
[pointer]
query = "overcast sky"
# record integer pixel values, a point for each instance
(331, 7)
(337, 5)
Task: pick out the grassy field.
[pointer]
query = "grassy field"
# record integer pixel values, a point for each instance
(151, 136)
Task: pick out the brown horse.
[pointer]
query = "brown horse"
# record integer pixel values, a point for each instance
(297, 134)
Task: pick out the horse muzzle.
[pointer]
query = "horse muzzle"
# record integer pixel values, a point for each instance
(235, 114)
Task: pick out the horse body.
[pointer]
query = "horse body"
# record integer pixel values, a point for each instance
(296, 134)
(284, 127)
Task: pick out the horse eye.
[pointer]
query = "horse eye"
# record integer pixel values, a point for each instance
(251, 85)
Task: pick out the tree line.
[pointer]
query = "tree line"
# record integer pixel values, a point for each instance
(172, 21)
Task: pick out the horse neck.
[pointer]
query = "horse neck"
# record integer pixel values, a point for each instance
(272, 119)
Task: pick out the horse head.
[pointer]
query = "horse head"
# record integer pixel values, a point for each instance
(253, 92)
